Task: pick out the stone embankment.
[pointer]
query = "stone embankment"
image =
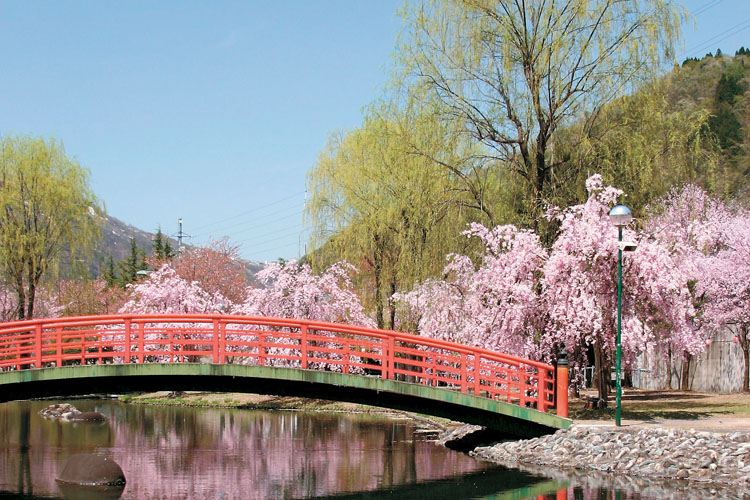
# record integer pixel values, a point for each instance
(661, 454)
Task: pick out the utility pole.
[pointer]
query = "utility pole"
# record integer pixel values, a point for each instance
(180, 235)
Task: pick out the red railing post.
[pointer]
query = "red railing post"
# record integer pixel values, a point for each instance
(385, 357)
(127, 340)
(477, 373)
(170, 339)
(261, 349)
(222, 342)
(215, 342)
(464, 377)
(303, 346)
(140, 334)
(541, 389)
(59, 347)
(346, 348)
(562, 386)
(83, 348)
(38, 345)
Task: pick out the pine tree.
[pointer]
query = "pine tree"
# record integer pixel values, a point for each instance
(131, 265)
(159, 245)
(168, 250)
(110, 273)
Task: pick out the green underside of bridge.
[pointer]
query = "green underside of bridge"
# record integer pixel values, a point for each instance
(506, 418)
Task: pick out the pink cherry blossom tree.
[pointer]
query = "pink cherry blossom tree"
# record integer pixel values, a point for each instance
(495, 306)
(690, 223)
(579, 290)
(292, 290)
(725, 289)
(164, 291)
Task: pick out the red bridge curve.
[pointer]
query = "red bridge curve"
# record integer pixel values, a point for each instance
(276, 342)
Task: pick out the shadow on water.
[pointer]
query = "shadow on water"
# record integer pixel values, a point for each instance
(489, 484)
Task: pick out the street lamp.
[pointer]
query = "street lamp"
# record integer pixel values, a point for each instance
(620, 216)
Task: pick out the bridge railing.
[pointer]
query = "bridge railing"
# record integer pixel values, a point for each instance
(297, 343)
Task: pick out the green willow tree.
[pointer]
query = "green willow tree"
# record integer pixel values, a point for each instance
(46, 207)
(393, 214)
(516, 73)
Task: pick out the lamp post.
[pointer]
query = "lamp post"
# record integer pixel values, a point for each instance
(620, 216)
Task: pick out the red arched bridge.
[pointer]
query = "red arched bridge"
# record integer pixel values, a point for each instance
(126, 352)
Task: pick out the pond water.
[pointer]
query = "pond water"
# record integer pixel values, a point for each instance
(191, 453)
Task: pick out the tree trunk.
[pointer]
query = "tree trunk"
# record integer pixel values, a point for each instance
(745, 377)
(391, 305)
(745, 344)
(378, 273)
(684, 380)
(21, 304)
(602, 373)
(668, 384)
(30, 301)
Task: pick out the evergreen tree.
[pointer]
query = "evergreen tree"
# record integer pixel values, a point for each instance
(131, 265)
(110, 273)
(168, 250)
(159, 244)
(724, 122)
(730, 84)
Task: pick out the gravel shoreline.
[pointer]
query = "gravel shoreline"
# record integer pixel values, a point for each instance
(668, 459)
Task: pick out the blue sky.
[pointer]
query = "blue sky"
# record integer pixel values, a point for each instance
(214, 111)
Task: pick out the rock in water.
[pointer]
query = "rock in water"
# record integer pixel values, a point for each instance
(65, 411)
(91, 470)
(60, 411)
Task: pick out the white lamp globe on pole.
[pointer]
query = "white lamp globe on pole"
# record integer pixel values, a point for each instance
(620, 216)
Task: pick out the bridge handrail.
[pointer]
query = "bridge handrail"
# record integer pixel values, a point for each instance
(396, 354)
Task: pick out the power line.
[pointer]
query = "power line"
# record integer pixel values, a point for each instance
(292, 232)
(706, 7)
(706, 44)
(273, 233)
(250, 211)
(279, 215)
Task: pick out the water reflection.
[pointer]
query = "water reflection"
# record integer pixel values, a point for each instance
(173, 452)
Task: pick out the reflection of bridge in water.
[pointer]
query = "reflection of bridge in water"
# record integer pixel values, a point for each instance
(124, 353)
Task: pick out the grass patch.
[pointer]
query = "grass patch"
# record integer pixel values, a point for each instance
(652, 405)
